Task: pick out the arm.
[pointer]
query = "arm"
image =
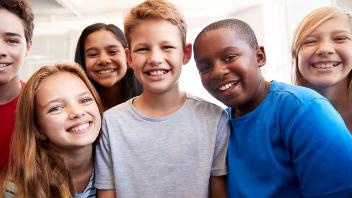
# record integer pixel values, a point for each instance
(321, 147)
(106, 193)
(217, 182)
(217, 186)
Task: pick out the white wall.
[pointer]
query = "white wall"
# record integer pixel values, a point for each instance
(273, 21)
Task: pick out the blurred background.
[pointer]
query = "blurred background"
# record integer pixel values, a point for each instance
(58, 24)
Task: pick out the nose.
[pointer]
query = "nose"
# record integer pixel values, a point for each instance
(155, 57)
(76, 112)
(104, 59)
(2, 50)
(219, 70)
(325, 48)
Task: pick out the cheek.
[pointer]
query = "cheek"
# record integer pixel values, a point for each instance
(89, 63)
(50, 124)
(303, 58)
(205, 81)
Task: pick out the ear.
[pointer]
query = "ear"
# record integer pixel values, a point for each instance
(187, 53)
(29, 46)
(261, 58)
(128, 57)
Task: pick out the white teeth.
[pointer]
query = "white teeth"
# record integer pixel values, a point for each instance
(79, 128)
(157, 72)
(106, 71)
(227, 86)
(4, 65)
(325, 65)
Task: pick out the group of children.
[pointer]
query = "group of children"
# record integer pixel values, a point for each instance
(154, 140)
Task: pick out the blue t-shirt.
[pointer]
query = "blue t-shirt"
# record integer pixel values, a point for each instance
(294, 144)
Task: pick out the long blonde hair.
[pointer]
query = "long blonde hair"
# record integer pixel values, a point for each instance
(306, 27)
(35, 167)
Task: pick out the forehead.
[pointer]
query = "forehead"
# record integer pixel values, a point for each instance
(154, 30)
(9, 22)
(219, 39)
(338, 22)
(101, 37)
(55, 86)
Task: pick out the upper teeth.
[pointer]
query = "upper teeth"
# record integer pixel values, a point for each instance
(226, 86)
(105, 71)
(157, 72)
(4, 64)
(325, 65)
(80, 127)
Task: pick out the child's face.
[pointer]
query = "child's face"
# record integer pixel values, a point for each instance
(325, 57)
(105, 58)
(156, 55)
(68, 118)
(229, 68)
(13, 46)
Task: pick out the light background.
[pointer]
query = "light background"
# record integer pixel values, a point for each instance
(58, 24)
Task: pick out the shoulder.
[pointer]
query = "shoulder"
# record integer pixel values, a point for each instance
(202, 104)
(113, 111)
(294, 96)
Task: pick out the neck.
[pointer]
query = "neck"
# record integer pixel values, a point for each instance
(257, 99)
(10, 90)
(111, 96)
(80, 165)
(160, 104)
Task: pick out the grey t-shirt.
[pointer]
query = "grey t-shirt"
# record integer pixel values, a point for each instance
(171, 156)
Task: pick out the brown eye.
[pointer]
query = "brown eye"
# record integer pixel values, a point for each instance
(229, 58)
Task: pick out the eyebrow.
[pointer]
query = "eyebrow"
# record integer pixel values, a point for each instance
(13, 34)
(95, 48)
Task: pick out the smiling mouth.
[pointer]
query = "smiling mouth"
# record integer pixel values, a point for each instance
(157, 72)
(79, 128)
(326, 65)
(228, 85)
(2, 65)
(107, 71)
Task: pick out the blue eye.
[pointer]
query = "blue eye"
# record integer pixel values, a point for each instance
(142, 49)
(168, 47)
(13, 41)
(56, 108)
(86, 100)
(113, 52)
(341, 38)
(310, 41)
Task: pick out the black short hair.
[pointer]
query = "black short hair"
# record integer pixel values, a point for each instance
(21, 9)
(241, 28)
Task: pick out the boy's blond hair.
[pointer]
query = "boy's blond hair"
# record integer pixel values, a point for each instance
(155, 10)
(306, 27)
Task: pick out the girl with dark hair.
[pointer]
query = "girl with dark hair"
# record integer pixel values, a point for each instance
(101, 52)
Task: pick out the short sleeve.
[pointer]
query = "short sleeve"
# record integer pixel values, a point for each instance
(219, 160)
(321, 148)
(103, 161)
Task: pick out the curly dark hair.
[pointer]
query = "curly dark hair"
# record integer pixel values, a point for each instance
(21, 9)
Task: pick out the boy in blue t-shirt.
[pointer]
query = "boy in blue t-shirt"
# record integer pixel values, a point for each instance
(286, 141)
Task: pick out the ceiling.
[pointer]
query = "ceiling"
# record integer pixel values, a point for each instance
(60, 16)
